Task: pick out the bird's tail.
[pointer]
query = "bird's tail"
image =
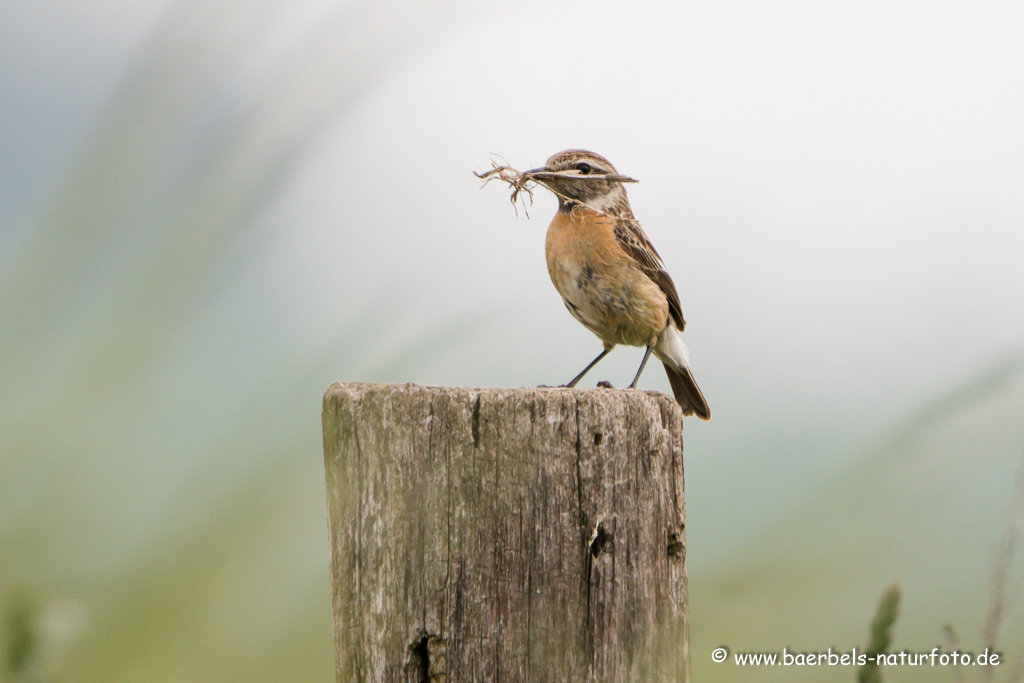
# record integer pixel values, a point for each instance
(672, 352)
(687, 393)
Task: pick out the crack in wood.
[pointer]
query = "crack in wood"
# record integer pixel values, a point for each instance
(600, 540)
(420, 660)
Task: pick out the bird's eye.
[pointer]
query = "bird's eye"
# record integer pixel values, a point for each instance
(583, 167)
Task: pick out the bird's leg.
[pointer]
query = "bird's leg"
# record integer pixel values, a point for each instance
(578, 377)
(643, 364)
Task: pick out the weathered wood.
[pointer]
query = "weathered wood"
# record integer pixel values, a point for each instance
(506, 534)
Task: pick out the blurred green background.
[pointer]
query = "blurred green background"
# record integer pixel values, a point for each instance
(210, 211)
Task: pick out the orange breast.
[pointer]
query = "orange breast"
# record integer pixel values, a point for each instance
(600, 284)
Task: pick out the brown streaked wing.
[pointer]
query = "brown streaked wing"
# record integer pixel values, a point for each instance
(635, 243)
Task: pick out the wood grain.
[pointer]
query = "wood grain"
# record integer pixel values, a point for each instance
(506, 534)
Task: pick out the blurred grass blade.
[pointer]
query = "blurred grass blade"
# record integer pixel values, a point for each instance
(880, 635)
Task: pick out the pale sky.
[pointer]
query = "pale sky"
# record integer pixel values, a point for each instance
(835, 188)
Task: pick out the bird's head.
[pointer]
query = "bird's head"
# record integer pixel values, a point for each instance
(579, 176)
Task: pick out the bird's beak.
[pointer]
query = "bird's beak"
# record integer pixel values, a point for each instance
(542, 175)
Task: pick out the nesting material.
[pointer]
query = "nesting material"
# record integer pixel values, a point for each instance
(517, 180)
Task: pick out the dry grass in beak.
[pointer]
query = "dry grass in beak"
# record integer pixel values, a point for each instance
(511, 176)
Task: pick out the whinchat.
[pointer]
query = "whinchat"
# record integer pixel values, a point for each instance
(608, 273)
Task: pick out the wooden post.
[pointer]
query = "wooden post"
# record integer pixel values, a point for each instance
(506, 534)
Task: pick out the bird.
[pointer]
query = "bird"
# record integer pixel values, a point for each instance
(608, 273)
